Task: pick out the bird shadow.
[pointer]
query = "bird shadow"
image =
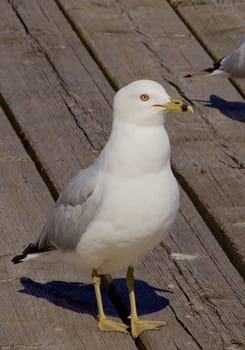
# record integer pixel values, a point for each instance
(80, 298)
(232, 109)
(149, 299)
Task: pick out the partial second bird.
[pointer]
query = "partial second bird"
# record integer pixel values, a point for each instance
(232, 65)
(123, 205)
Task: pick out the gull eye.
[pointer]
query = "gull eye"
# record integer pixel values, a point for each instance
(144, 97)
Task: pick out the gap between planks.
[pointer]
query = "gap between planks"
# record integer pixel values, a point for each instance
(28, 147)
(88, 47)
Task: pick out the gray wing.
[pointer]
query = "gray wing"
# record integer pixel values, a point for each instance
(73, 211)
(234, 63)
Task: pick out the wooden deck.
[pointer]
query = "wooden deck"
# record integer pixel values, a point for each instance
(60, 64)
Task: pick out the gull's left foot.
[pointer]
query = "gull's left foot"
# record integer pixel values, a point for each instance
(138, 326)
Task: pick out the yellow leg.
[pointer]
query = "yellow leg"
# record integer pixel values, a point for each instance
(137, 325)
(104, 323)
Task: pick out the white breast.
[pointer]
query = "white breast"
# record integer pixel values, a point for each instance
(135, 216)
(139, 199)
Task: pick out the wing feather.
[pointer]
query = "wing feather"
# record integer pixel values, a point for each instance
(73, 211)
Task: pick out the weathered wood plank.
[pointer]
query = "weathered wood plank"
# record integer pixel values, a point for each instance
(48, 76)
(218, 24)
(135, 39)
(177, 336)
(49, 314)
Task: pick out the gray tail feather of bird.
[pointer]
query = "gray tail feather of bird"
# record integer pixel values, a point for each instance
(203, 72)
(30, 249)
(216, 66)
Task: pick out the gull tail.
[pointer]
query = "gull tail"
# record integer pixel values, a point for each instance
(202, 72)
(30, 252)
(216, 69)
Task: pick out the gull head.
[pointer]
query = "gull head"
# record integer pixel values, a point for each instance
(144, 102)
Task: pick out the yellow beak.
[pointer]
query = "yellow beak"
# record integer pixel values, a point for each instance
(176, 105)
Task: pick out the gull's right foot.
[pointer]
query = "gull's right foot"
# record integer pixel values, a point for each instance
(108, 325)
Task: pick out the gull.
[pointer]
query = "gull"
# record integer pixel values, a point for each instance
(232, 65)
(122, 206)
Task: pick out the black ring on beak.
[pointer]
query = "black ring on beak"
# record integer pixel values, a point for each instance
(184, 107)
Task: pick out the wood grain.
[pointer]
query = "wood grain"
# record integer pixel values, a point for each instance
(148, 40)
(54, 87)
(41, 307)
(62, 103)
